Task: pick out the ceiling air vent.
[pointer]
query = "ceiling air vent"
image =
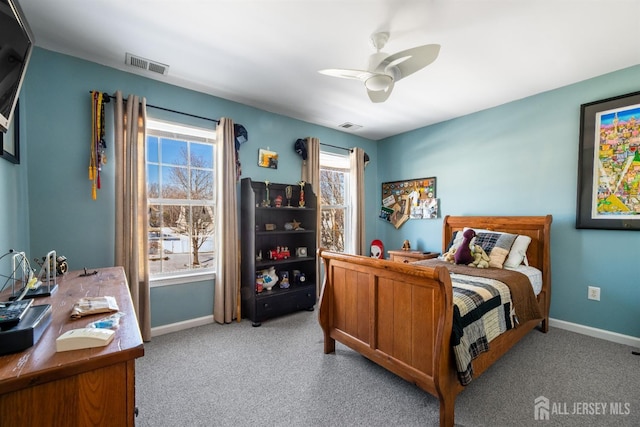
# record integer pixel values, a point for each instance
(349, 126)
(146, 64)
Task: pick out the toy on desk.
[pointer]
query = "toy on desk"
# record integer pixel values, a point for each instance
(32, 286)
(61, 266)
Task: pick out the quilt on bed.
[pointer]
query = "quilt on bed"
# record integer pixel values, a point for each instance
(482, 310)
(487, 302)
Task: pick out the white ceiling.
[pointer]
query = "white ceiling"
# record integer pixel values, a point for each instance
(266, 53)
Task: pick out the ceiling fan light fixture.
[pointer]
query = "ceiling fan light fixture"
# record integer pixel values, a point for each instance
(378, 82)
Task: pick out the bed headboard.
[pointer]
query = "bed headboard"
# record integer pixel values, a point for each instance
(536, 227)
(538, 253)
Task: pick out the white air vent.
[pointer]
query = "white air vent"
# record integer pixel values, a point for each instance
(146, 64)
(349, 126)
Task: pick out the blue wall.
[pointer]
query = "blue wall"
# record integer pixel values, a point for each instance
(515, 159)
(56, 139)
(14, 210)
(521, 158)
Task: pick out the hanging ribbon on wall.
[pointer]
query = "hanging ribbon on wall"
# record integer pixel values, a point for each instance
(98, 155)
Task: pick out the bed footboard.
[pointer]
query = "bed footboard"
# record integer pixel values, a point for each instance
(396, 315)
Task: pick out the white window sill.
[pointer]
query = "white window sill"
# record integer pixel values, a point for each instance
(179, 279)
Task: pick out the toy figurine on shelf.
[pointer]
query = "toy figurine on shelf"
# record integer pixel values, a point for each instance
(301, 203)
(266, 202)
(259, 283)
(284, 279)
(280, 252)
(288, 192)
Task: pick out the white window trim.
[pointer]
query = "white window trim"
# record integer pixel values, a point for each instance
(341, 163)
(170, 279)
(180, 279)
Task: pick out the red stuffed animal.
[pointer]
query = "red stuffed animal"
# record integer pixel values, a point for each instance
(463, 253)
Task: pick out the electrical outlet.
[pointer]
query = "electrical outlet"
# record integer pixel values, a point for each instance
(593, 293)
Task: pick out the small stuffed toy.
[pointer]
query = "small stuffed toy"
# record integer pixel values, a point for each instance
(449, 256)
(480, 257)
(463, 253)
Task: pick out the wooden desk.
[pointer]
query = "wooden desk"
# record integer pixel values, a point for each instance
(411, 256)
(89, 387)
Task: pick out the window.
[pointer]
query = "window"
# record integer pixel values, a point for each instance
(181, 199)
(334, 207)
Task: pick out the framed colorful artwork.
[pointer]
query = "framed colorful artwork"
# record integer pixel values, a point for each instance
(609, 164)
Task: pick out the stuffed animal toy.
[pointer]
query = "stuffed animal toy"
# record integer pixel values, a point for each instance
(463, 253)
(480, 257)
(377, 249)
(449, 256)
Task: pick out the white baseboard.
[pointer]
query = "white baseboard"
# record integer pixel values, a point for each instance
(561, 324)
(596, 333)
(180, 326)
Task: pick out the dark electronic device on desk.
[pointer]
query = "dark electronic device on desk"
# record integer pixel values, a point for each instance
(12, 312)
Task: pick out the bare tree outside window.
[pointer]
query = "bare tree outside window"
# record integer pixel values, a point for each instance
(181, 189)
(334, 181)
(193, 183)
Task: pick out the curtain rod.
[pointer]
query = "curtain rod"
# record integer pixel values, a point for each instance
(169, 110)
(335, 146)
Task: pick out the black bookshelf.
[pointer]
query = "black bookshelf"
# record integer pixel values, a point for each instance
(264, 229)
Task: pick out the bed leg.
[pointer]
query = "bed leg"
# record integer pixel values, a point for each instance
(329, 344)
(544, 325)
(447, 412)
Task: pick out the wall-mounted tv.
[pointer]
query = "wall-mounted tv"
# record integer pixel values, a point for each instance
(16, 44)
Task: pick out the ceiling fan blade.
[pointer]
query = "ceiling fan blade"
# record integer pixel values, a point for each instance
(407, 62)
(361, 75)
(377, 96)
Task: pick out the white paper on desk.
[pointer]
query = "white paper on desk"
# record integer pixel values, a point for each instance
(93, 305)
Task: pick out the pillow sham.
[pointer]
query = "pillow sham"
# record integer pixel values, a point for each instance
(497, 245)
(514, 259)
(518, 252)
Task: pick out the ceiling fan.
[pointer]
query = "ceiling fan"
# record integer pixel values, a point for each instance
(385, 70)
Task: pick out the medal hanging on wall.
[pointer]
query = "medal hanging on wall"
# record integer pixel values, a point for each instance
(98, 145)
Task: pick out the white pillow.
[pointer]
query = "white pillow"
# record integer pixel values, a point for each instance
(518, 252)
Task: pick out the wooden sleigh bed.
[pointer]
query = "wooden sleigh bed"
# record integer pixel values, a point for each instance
(400, 316)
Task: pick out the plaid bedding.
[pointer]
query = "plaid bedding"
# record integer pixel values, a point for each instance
(487, 302)
(482, 310)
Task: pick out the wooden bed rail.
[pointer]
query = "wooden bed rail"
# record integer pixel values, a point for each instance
(398, 316)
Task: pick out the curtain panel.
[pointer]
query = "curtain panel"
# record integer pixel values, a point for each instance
(311, 174)
(227, 284)
(131, 214)
(357, 201)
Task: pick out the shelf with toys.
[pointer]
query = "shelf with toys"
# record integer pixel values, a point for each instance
(278, 245)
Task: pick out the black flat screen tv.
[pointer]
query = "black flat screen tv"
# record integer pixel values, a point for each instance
(16, 44)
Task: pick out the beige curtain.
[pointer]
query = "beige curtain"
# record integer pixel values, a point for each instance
(311, 166)
(311, 174)
(131, 202)
(227, 259)
(357, 201)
